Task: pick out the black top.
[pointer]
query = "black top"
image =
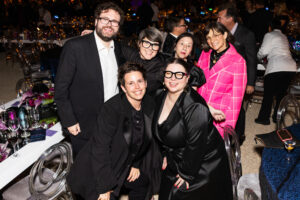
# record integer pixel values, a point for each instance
(137, 131)
(215, 56)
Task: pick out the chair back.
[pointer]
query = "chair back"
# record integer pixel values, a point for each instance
(288, 112)
(48, 175)
(233, 151)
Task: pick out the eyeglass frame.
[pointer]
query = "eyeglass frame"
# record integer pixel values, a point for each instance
(175, 74)
(108, 21)
(150, 44)
(182, 25)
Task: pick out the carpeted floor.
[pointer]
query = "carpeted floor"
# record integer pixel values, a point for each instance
(10, 73)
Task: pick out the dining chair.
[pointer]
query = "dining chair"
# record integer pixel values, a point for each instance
(47, 178)
(288, 112)
(233, 151)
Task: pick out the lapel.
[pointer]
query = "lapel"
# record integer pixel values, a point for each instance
(221, 64)
(127, 125)
(175, 114)
(118, 53)
(95, 55)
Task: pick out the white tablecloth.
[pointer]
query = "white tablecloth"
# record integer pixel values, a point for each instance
(11, 167)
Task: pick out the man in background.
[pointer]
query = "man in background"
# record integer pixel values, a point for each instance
(246, 46)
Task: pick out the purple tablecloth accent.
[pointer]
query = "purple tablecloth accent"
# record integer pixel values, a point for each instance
(15, 104)
(50, 132)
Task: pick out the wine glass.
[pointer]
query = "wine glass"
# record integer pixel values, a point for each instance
(24, 124)
(13, 126)
(289, 145)
(35, 116)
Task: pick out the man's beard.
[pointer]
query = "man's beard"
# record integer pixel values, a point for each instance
(105, 38)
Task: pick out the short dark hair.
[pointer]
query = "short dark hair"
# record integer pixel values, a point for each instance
(172, 22)
(218, 27)
(127, 68)
(186, 34)
(231, 10)
(109, 5)
(276, 24)
(179, 61)
(152, 34)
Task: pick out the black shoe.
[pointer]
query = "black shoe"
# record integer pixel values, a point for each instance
(263, 122)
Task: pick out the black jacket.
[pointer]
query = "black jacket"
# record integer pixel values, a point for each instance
(79, 91)
(169, 44)
(104, 162)
(194, 150)
(246, 46)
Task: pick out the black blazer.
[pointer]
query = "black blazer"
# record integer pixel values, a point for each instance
(79, 92)
(104, 162)
(169, 44)
(246, 46)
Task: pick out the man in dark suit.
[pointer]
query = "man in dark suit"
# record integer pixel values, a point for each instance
(113, 158)
(175, 26)
(87, 75)
(246, 46)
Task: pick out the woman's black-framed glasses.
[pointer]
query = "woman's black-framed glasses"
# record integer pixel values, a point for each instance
(178, 75)
(105, 21)
(147, 44)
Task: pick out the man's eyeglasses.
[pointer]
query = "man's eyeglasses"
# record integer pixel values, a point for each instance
(105, 21)
(146, 44)
(178, 75)
(182, 25)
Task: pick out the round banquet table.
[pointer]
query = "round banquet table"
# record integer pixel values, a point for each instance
(279, 174)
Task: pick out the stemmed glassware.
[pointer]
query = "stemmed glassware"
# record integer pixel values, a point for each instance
(24, 124)
(13, 126)
(35, 116)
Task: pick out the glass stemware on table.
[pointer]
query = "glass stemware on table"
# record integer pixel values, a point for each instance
(24, 124)
(13, 126)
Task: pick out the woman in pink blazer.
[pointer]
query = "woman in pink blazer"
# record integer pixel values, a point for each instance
(226, 76)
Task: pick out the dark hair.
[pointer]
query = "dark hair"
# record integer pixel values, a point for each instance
(179, 61)
(172, 22)
(152, 34)
(220, 28)
(186, 34)
(276, 24)
(231, 10)
(109, 5)
(127, 68)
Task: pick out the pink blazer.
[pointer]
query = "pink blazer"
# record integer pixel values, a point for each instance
(225, 84)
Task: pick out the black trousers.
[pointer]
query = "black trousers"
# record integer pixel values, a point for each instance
(137, 190)
(275, 85)
(77, 144)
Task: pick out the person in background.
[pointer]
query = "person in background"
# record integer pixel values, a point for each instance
(87, 75)
(226, 76)
(260, 20)
(280, 70)
(195, 163)
(281, 13)
(245, 45)
(247, 12)
(154, 6)
(112, 158)
(145, 14)
(175, 26)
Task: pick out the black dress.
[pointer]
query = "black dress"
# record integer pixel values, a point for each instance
(194, 150)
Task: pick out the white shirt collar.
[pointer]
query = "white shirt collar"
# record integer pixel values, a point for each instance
(234, 28)
(175, 36)
(100, 45)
